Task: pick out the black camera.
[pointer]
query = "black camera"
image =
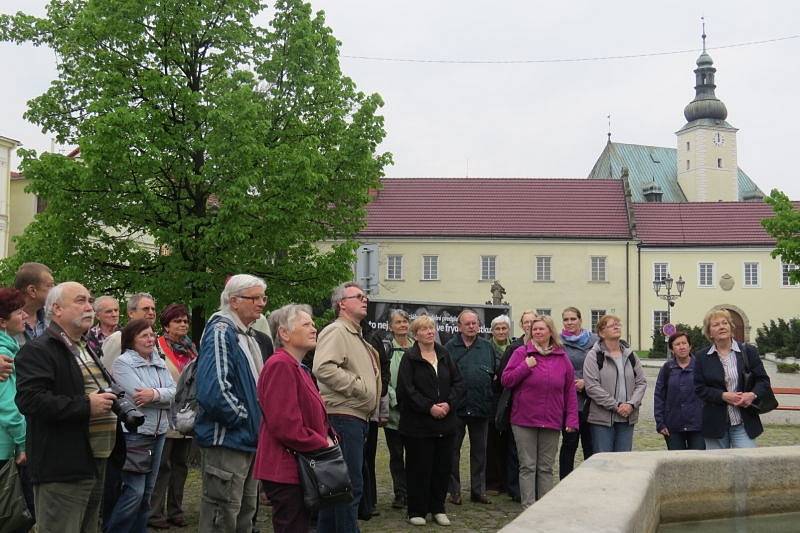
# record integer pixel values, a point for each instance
(125, 409)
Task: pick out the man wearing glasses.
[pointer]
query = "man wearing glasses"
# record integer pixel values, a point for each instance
(348, 372)
(227, 423)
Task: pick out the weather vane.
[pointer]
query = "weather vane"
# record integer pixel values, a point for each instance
(703, 21)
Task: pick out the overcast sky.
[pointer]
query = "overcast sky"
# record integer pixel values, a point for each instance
(536, 119)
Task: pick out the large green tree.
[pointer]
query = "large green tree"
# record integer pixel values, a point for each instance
(785, 228)
(208, 146)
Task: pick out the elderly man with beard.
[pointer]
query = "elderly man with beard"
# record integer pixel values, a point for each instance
(71, 429)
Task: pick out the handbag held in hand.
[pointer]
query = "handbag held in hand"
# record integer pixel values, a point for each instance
(324, 478)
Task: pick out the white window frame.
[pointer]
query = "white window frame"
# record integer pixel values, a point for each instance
(398, 275)
(424, 276)
(790, 267)
(605, 269)
(544, 311)
(549, 262)
(755, 285)
(700, 277)
(666, 269)
(490, 264)
(592, 321)
(653, 325)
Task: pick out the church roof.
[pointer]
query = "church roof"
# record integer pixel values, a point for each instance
(498, 207)
(647, 164)
(703, 224)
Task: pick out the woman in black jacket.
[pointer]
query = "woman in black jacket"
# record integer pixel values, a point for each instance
(429, 389)
(728, 420)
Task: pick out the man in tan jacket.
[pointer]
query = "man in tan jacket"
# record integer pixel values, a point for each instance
(348, 373)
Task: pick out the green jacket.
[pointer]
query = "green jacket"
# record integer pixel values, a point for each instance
(12, 423)
(395, 353)
(478, 366)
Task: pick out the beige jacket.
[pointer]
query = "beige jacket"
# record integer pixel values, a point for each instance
(601, 384)
(347, 370)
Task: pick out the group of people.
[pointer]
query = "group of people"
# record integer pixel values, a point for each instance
(87, 410)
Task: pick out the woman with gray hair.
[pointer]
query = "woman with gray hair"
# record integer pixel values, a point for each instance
(294, 417)
(396, 347)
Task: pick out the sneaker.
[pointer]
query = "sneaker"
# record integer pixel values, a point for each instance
(441, 519)
(416, 521)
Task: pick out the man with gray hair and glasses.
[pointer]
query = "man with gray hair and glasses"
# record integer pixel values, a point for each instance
(348, 372)
(228, 420)
(140, 305)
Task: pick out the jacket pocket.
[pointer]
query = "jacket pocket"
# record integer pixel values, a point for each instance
(217, 484)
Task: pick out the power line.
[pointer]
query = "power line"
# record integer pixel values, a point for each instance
(564, 59)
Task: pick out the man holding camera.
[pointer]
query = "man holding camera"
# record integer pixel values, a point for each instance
(71, 429)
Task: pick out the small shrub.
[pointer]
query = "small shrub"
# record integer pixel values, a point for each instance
(788, 368)
(779, 336)
(696, 339)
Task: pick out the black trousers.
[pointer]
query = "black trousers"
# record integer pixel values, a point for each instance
(369, 498)
(397, 465)
(495, 460)
(686, 440)
(428, 461)
(289, 515)
(569, 446)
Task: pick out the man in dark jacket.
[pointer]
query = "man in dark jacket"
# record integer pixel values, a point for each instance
(475, 358)
(71, 430)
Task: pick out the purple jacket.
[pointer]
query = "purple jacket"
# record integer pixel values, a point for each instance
(543, 396)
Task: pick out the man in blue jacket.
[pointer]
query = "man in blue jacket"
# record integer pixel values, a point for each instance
(475, 358)
(229, 415)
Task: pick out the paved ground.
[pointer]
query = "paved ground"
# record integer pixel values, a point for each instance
(486, 518)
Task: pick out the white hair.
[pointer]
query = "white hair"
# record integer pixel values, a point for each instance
(501, 319)
(285, 317)
(236, 285)
(133, 301)
(338, 295)
(100, 300)
(53, 297)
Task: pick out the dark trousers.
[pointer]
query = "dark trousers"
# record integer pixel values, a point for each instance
(171, 479)
(289, 514)
(397, 466)
(569, 446)
(369, 498)
(343, 518)
(112, 488)
(512, 464)
(428, 461)
(685, 440)
(478, 428)
(495, 460)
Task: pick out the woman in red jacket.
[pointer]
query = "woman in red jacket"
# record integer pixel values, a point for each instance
(294, 416)
(544, 403)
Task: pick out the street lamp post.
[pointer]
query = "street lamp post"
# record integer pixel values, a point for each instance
(666, 283)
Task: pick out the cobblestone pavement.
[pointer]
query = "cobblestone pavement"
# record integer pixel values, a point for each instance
(486, 518)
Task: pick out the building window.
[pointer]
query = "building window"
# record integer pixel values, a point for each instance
(719, 162)
(544, 312)
(659, 319)
(430, 267)
(687, 164)
(596, 315)
(751, 275)
(488, 267)
(660, 271)
(599, 268)
(394, 267)
(705, 274)
(785, 279)
(543, 270)
(687, 146)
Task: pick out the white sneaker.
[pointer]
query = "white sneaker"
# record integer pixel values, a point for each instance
(416, 521)
(441, 519)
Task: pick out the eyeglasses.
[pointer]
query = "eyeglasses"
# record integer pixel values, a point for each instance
(360, 297)
(253, 299)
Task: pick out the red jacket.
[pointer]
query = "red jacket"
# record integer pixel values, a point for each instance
(294, 418)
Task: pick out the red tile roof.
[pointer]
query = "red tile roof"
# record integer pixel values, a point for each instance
(498, 207)
(703, 224)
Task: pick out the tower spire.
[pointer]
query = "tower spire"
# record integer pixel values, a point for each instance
(703, 21)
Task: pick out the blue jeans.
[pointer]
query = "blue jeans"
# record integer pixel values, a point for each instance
(735, 437)
(615, 438)
(343, 518)
(131, 511)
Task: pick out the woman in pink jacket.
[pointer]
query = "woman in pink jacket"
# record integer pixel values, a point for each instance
(543, 404)
(294, 416)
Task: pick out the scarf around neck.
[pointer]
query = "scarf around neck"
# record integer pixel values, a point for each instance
(542, 350)
(582, 339)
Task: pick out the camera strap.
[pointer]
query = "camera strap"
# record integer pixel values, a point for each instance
(58, 333)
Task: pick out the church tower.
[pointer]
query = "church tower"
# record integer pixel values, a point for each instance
(707, 166)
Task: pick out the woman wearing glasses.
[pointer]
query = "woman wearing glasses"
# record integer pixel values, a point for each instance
(177, 350)
(615, 385)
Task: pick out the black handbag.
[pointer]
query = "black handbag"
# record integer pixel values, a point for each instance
(324, 478)
(139, 457)
(502, 418)
(14, 513)
(764, 403)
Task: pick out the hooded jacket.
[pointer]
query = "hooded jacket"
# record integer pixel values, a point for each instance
(601, 384)
(12, 423)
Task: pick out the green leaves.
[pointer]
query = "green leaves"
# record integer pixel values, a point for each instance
(209, 146)
(785, 228)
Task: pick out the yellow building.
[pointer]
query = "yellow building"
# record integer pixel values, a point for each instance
(7, 147)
